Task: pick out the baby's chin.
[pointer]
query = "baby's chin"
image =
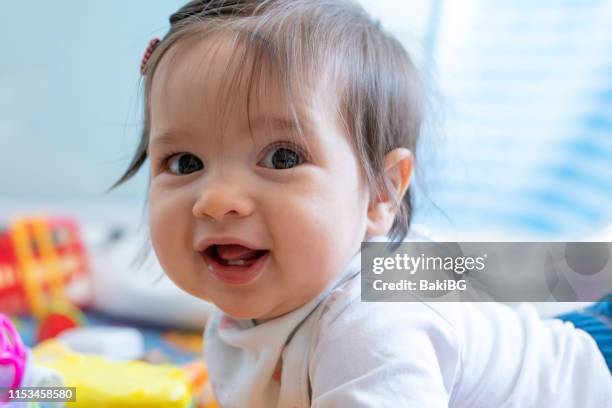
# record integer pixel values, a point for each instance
(259, 316)
(250, 315)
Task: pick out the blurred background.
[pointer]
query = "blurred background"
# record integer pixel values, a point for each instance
(519, 142)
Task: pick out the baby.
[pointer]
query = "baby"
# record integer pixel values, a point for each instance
(281, 135)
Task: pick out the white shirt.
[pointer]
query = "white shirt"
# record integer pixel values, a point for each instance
(337, 352)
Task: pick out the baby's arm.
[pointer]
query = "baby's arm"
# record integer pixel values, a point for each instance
(370, 355)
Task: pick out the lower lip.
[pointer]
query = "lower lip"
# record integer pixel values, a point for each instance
(236, 275)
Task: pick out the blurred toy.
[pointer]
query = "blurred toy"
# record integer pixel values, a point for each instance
(16, 366)
(114, 343)
(55, 323)
(43, 271)
(42, 262)
(197, 375)
(12, 355)
(102, 382)
(187, 341)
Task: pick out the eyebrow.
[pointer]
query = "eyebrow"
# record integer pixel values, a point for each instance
(166, 138)
(277, 122)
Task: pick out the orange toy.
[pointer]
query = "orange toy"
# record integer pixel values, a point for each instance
(43, 271)
(197, 375)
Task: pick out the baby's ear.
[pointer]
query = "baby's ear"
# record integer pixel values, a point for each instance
(398, 167)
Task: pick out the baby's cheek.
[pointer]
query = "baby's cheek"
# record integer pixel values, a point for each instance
(172, 251)
(306, 237)
(156, 217)
(166, 235)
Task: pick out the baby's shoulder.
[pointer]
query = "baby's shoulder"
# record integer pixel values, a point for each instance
(355, 339)
(343, 311)
(344, 306)
(455, 327)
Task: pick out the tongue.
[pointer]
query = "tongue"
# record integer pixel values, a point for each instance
(235, 252)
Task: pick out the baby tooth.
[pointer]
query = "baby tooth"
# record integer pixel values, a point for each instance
(238, 262)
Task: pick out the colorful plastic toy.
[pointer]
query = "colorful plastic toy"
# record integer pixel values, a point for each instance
(60, 317)
(197, 374)
(13, 355)
(102, 382)
(42, 263)
(17, 368)
(43, 271)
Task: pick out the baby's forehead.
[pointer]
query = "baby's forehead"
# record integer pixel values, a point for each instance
(216, 80)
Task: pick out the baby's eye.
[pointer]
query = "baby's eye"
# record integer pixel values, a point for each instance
(183, 163)
(281, 158)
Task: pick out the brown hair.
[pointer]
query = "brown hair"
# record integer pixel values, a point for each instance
(379, 92)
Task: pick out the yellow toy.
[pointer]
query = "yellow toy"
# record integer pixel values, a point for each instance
(101, 382)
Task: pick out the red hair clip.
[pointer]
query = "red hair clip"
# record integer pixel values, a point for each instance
(145, 58)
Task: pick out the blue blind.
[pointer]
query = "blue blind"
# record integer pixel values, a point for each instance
(527, 97)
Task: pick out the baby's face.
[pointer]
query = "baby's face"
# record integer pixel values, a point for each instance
(258, 223)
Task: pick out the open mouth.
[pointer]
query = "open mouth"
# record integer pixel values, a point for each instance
(234, 255)
(235, 264)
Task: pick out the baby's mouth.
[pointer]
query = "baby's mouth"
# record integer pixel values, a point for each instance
(234, 254)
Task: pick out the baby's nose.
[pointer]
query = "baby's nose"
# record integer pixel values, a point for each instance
(222, 200)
